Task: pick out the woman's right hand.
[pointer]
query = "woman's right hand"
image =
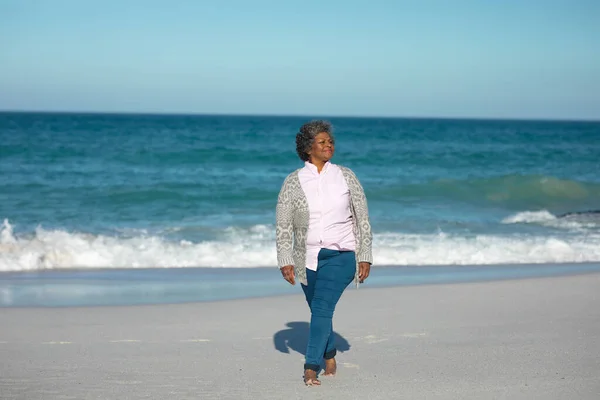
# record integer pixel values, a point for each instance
(288, 274)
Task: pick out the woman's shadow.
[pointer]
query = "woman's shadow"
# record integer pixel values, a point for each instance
(295, 337)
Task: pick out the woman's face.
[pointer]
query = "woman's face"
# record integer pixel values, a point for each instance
(322, 148)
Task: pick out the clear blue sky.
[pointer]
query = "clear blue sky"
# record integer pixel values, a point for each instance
(446, 58)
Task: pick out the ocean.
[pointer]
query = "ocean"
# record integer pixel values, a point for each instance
(89, 202)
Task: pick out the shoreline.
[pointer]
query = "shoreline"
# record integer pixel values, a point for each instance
(122, 287)
(520, 339)
(287, 296)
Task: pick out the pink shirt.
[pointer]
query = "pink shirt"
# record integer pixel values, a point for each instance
(330, 224)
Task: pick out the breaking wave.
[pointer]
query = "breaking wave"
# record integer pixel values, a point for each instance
(521, 191)
(254, 247)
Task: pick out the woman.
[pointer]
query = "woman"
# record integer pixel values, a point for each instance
(323, 238)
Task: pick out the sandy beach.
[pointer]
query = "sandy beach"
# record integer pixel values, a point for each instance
(514, 339)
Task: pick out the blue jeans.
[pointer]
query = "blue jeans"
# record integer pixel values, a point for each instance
(335, 271)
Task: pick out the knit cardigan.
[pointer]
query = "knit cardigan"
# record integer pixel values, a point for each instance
(292, 220)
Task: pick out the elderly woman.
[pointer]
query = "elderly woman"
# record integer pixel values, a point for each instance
(323, 238)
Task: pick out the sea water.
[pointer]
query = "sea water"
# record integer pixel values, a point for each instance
(87, 199)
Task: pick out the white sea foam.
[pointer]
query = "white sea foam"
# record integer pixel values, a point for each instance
(529, 217)
(442, 249)
(546, 218)
(56, 249)
(61, 249)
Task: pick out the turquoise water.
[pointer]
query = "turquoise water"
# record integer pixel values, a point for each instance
(99, 192)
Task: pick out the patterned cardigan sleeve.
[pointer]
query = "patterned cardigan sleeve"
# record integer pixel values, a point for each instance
(284, 228)
(361, 209)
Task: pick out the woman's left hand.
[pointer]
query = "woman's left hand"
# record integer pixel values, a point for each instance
(363, 271)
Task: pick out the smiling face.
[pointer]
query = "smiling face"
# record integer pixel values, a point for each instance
(322, 149)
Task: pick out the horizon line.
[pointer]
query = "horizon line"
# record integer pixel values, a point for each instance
(291, 115)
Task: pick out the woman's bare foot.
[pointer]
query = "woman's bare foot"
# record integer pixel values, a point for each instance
(330, 367)
(310, 378)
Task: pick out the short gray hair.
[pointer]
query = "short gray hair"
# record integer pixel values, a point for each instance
(307, 134)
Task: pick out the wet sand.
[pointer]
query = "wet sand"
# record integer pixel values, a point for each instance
(513, 339)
